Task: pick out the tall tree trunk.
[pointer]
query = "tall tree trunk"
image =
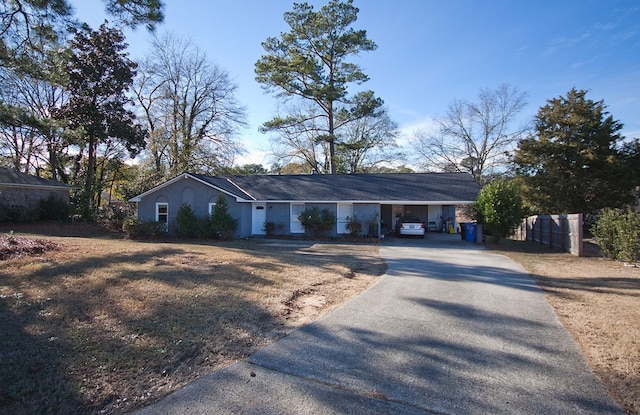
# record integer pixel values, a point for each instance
(88, 186)
(53, 160)
(332, 140)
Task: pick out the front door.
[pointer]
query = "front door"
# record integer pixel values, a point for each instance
(258, 218)
(435, 218)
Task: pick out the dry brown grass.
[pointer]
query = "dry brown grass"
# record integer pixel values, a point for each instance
(598, 301)
(107, 325)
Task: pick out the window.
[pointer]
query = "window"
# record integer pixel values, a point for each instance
(162, 214)
(345, 212)
(211, 206)
(296, 226)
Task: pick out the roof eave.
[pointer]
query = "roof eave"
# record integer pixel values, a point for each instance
(38, 186)
(381, 202)
(181, 177)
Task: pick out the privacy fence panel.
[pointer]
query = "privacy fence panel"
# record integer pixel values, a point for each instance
(558, 231)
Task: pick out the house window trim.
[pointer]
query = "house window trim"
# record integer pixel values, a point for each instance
(212, 205)
(157, 216)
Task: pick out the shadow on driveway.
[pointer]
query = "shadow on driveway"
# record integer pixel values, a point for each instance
(450, 329)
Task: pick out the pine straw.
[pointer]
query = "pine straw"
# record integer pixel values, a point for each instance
(15, 246)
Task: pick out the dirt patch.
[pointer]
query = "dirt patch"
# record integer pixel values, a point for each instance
(106, 325)
(598, 301)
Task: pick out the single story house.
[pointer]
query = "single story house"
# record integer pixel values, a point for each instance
(279, 199)
(23, 192)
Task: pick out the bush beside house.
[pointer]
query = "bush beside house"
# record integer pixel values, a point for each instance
(618, 234)
(317, 221)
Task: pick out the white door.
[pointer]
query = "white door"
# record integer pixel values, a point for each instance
(434, 218)
(345, 213)
(258, 218)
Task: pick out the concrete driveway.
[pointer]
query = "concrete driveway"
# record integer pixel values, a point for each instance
(450, 329)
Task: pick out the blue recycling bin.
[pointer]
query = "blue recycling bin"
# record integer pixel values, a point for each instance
(470, 232)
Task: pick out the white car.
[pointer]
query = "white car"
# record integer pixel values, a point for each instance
(410, 226)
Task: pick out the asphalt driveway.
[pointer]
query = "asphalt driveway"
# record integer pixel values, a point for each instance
(450, 329)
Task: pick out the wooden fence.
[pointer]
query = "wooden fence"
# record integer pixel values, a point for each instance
(558, 231)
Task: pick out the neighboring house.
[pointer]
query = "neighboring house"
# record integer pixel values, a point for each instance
(279, 199)
(20, 191)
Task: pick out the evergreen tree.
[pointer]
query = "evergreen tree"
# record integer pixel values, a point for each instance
(100, 74)
(310, 62)
(222, 223)
(575, 162)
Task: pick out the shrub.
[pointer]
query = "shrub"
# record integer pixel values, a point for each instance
(372, 224)
(627, 238)
(135, 229)
(317, 221)
(113, 216)
(188, 224)
(605, 231)
(53, 208)
(13, 213)
(618, 234)
(269, 228)
(499, 208)
(354, 226)
(223, 225)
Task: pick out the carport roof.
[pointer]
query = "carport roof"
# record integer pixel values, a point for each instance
(394, 187)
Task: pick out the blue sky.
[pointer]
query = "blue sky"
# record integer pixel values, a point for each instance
(430, 52)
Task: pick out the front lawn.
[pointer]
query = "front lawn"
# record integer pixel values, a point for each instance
(106, 325)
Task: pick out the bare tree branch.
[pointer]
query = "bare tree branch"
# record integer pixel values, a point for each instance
(474, 137)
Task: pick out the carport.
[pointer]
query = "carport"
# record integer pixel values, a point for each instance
(436, 217)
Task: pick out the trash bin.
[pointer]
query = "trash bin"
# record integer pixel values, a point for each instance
(462, 226)
(470, 232)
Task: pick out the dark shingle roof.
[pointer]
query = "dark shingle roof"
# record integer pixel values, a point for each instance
(221, 183)
(418, 187)
(13, 178)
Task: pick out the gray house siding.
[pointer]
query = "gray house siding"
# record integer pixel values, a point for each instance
(21, 193)
(241, 212)
(280, 215)
(254, 200)
(29, 198)
(198, 196)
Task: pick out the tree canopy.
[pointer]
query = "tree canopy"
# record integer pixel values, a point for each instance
(26, 25)
(100, 75)
(190, 107)
(574, 162)
(310, 62)
(473, 137)
(29, 134)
